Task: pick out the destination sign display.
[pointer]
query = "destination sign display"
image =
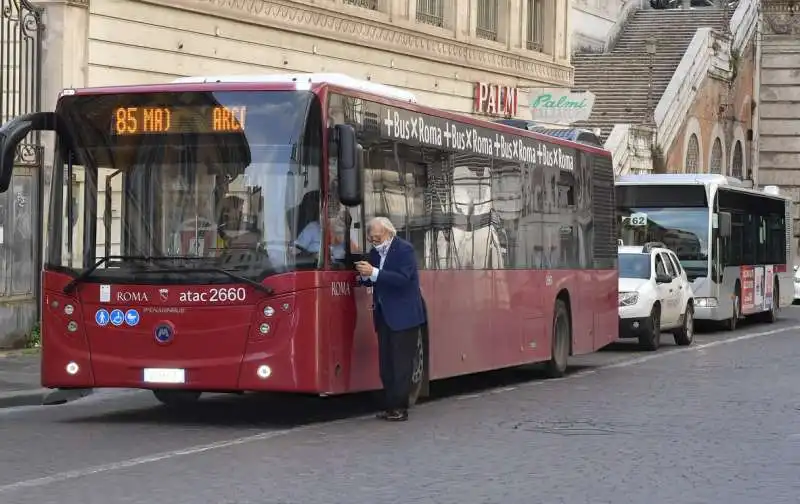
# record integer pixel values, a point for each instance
(175, 120)
(425, 130)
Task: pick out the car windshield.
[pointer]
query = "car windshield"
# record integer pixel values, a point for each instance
(166, 183)
(634, 266)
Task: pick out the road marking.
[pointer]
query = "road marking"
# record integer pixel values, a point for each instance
(193, 450)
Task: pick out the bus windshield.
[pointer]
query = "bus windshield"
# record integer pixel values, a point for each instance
(161, 184)
(683, 230)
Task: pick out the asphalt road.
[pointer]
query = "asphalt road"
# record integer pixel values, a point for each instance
(713, 423)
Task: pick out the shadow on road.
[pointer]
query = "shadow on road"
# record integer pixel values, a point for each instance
(277, 411)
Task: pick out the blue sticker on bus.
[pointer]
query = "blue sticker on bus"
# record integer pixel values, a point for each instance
(101, 317)
(117, 317)
(132, 317)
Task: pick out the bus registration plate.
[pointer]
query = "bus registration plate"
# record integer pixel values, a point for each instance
(162, 375)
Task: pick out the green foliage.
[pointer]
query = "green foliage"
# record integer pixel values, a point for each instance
(34, 339)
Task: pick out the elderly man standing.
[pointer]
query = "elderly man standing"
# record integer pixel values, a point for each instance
(398, 312)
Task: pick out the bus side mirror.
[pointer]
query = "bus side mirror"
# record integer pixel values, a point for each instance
(724, 224)
(12, 133)
(350, 156)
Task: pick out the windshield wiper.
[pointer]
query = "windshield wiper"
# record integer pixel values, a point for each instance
(234, 276)
(84, 275)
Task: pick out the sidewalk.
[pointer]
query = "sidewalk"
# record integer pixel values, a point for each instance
(19, 378)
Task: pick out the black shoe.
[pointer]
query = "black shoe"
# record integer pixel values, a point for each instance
(397, 416)
(382, 415)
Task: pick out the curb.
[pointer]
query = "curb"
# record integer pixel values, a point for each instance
(31, 397)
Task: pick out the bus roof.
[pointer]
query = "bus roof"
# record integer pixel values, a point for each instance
(309, 81)
(704, 179)
(305, 81)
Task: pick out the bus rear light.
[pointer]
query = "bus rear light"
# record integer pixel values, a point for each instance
(72, 326)
(72, 368)
(269, 311)
(264, 328)
(264, 371)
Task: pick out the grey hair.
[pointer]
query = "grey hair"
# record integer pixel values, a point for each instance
(385, 223)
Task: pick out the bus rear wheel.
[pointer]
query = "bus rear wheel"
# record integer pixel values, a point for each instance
(772, 314)
(562, 335)
(418, 373)
(172, 397)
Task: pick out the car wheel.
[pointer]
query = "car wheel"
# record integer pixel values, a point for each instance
(651, 339)
(685, 335)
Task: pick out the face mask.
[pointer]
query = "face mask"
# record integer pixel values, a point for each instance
(382, 247)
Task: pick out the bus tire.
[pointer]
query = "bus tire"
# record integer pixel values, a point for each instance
(650, 338)
(171, 397)
(772, 314)
(685, 335)
(732, 322)
(418, 373)
(562, 336)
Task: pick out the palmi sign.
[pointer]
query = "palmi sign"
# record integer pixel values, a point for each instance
(425, 130)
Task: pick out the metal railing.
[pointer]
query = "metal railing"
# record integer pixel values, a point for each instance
(431, 12)
(364, 4)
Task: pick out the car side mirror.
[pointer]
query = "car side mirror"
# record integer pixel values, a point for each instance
(662, 278)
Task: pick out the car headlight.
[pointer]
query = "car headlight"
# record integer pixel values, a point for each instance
(628, 298)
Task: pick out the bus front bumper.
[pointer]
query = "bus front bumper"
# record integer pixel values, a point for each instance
(709, 309)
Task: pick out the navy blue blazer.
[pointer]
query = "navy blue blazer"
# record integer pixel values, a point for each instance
(397, 287)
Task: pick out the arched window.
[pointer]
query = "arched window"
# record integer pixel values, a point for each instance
(692, 155)
(737, 160)
(716, 157)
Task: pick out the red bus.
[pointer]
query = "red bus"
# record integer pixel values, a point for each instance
(202, 235)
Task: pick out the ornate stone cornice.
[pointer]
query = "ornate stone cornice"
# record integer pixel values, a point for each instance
(781, 17)
(333, 25)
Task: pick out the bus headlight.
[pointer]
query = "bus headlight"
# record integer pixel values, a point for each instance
(269, 311)
(628, 298)
(706, 302)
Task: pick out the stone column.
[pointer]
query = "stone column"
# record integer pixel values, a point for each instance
(64, 65)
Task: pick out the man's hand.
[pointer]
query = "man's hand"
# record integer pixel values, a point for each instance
(364, 269)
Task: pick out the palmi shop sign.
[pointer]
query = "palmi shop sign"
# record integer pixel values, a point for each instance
(496, 100)
(559, 105)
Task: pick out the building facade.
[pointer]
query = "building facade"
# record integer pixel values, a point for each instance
(465, 56)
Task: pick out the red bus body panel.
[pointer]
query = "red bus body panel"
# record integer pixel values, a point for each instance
(321, 337)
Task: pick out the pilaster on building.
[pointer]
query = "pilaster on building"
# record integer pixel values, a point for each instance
(779, 99)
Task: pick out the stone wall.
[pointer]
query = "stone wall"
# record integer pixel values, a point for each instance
(213, 37)
(713, 138)
(778, 110)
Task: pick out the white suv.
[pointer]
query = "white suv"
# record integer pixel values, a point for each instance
(654, 296)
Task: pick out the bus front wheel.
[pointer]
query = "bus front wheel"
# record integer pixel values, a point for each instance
(171, 397)
(732, 322)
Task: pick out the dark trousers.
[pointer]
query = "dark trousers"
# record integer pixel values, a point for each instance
(396, 350)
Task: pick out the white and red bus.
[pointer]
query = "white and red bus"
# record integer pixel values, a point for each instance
(202, 235)
(733, 242)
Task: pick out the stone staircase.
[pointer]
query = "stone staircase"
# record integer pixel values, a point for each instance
(619, 79)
